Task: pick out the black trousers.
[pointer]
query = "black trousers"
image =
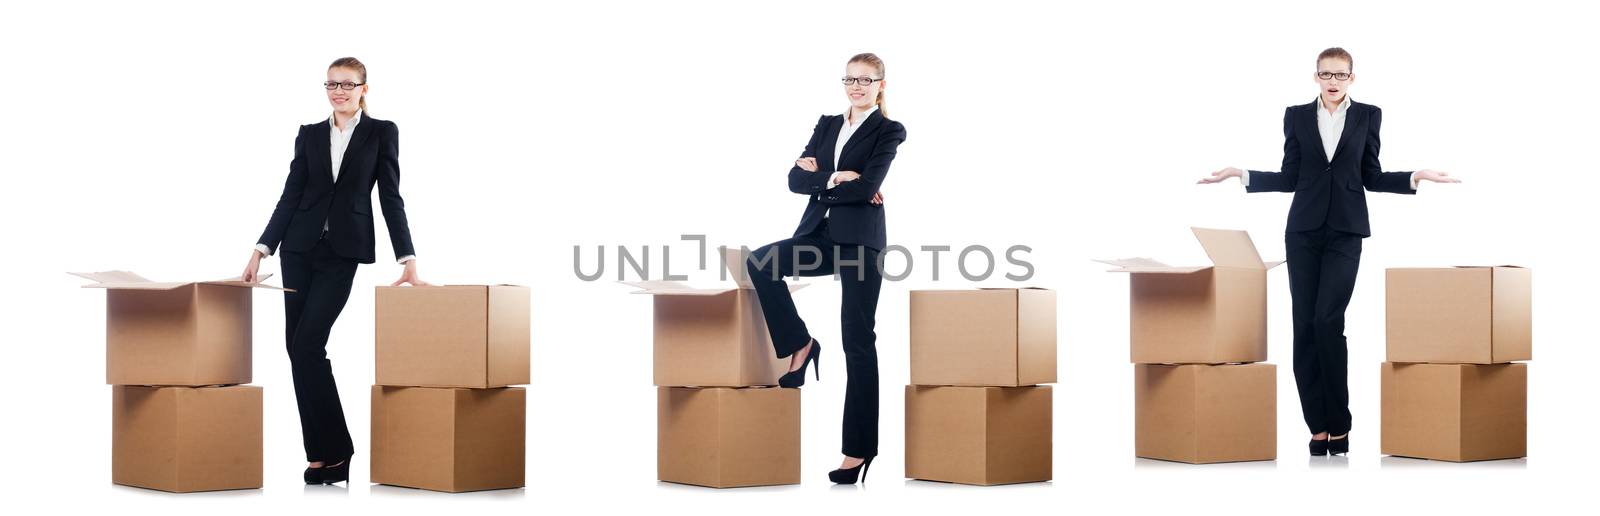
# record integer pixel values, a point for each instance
(815, 254)
(321, 282)
(1322, 276)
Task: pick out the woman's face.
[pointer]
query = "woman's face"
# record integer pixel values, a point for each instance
(1334, 89)
(343, 100)
(862, 96)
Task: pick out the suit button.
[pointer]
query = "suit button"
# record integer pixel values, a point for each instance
(1327, 169)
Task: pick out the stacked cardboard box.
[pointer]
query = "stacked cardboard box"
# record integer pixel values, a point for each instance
(1198, 337)
(445, 416)
(1451, 388)
(720, 422)
(177, 359)
(977, 411)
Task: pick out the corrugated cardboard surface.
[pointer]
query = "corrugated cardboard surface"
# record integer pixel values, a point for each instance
(726, 437)
(1205, 413)
(192, 335)
(452, 336)
(186, 439)
(1212, 316)
(1455, 412)
(978, 435)
(989, 337)
(1477, 315)
(447, 439)
(716, 340)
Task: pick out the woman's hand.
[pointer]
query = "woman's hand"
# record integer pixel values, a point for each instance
(806, 164)
(410, 276)
(251, 268)
(1220, 176)
(877, 198)
(846, 175)
(1433, 175)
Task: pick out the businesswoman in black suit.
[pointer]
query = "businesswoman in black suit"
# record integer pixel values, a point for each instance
(323, 221)
(1330, 153)
(841, 231)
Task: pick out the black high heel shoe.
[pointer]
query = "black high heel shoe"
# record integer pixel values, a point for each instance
(329, 474)
(1339, 446)
(1319, 447)
(849, 476)
(796, 378)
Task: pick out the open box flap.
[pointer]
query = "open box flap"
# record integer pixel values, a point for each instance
(1146, 265)
(131, 281)
(1229, 248)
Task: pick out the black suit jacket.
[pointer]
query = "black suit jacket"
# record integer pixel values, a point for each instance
(852, 218)
(311, 196)
(1328, 191)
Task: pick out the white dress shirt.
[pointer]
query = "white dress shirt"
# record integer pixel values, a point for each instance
(1330, 126)
(847, 129)
(338, 141)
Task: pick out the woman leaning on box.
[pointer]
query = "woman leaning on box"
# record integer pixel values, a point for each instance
(324, 222)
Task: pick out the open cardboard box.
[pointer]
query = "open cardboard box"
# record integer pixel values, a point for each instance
(712, 337)
(1200, 314)
(190, 333)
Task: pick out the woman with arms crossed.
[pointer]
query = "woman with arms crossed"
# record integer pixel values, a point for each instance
(841, 231)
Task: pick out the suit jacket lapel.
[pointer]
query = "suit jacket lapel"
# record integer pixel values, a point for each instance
(320, 147)
(868, 126)
(830, 140)
(1350, 119)
(1308, 125)
(362, 131)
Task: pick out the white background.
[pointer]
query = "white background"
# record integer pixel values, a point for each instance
(156, 139)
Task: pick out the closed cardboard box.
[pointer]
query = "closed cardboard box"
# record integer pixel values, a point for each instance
(452, 336)
(1206, 413)
(1473, 315)
(726, 437)
(987, 337)
(451, 440)
(186, 439)
(1455, 412)
(978, 435)
(1199, 315)
(183, 333)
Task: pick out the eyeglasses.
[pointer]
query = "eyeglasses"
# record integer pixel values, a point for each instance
(347, 86)
(1343, 76)
(864, 81)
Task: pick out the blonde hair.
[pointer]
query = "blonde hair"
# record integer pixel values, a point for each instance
(1337, 53)
(360, 69)
(872, 59)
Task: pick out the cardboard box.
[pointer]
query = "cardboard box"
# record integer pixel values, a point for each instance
(452, 336)
(447, 439)
(712, 337)
(986, 337)
(725, 437)
(1475, 315)
(978, 435)
(186, 439)
(175, 333)
(1202, 414)
(1200, 315)
(1455, 412)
